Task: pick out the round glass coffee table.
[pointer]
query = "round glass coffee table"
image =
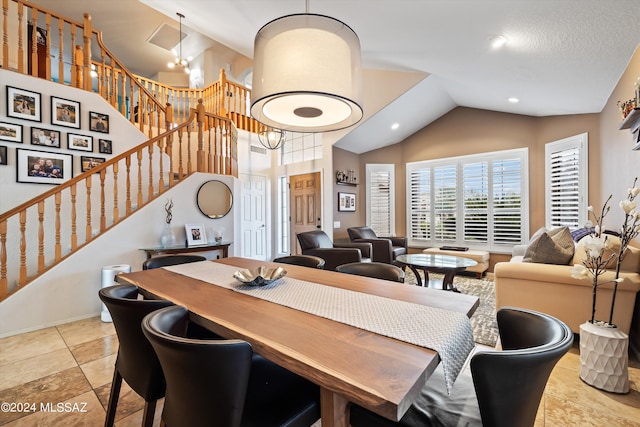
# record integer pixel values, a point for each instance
(445, 264)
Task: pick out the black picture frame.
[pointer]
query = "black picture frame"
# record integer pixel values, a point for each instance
(24, 104)
(65, 112)
(105, 146)
(60, 171)
(10, 132)
(90, 162)
(346, 202)
(3, 155)
(79, 142)
(45, 137)
(98, 122)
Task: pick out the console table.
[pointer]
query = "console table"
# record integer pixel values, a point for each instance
(180, 249)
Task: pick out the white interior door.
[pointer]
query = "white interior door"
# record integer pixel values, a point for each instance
(253, 229)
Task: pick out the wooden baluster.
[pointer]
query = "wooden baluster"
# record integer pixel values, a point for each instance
(86, 36)
(58, 245)
(4, 285)
(40, 237)
(103, 216)
(200, 117)
(116, 211)
(88, 233)
(48, 47)
(74, 60)
(33, 45)
(21, 57)
(140, 199)
(162, 146)
(150, 189)
(5, 42)
(23, 249)
(60, 50)
(128, 186)
(74, 233)
(180, 156)
(222, 96)
(79, 60)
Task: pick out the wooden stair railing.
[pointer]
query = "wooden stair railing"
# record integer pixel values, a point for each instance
(42, 232)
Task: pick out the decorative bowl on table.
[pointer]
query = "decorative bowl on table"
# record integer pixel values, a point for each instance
(260, 276)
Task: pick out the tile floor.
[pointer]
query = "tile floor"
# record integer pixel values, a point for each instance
(73, 364)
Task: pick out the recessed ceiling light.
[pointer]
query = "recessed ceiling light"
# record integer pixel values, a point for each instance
(395, 126)
(513, 100)
(498, 41)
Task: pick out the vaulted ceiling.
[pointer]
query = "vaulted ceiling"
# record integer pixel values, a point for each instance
(562, 56)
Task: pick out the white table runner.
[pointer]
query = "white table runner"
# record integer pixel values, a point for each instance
(447, 332)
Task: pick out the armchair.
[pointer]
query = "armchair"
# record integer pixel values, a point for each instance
(385, 249)
(317, 243)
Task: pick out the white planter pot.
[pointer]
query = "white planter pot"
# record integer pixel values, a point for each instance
(604, 358)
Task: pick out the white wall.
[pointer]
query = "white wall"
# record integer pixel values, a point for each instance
(69, 291)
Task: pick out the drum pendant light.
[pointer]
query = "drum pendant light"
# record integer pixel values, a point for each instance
(307, 74)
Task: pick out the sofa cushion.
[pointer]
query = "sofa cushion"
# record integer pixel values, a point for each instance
(551, 247)
(630, 258)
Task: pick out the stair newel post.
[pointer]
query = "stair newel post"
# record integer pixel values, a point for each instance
(87, 35)
(169, 142)
(222, 95)
(200, 117)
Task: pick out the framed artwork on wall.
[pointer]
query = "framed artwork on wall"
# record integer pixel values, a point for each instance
(346, 202)
(41, 167)
(195, 234)
(65, 112)
(79, 142)
(24, 104)
(104, 146)
(98, 122)
(88, 163)
(10, 132)
(45, 137)
(3, 155)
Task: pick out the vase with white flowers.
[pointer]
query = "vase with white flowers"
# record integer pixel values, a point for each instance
(603, 347)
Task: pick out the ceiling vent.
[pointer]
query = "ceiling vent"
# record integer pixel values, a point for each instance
(255, 149)
(166, 37)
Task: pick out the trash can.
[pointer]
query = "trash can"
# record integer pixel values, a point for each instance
(108, 279)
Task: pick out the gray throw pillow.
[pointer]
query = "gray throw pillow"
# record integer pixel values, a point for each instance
(551, 247)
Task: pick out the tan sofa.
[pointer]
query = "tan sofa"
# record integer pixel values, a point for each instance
(551, 289)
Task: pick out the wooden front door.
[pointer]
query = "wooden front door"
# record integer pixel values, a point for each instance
(305, 205)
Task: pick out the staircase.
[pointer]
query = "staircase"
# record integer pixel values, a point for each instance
(189, 131)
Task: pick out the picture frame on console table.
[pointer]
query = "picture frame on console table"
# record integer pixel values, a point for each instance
(195, 235)
(346, 202)
(43, 167)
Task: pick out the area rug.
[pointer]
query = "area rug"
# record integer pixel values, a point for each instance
(483, 321)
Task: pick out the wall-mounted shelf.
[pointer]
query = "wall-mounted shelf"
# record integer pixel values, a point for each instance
(632, 121)
(351, 184)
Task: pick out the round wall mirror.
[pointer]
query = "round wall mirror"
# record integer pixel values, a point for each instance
(214, 199)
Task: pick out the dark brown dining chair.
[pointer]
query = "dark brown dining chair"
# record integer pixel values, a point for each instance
(166, 260)
(378, 270)
(221, 382)
(504, 388)
(136, 362)
(302, 260)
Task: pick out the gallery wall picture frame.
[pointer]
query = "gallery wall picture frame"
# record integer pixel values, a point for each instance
(43, 167)
(98, 122)
(195, 234)
(90, 162)
(10, 132)
(24, 104)
(65, 112)
(105, 146)
(79, 142)
(45, 137)
(3, 155)
(346, 202)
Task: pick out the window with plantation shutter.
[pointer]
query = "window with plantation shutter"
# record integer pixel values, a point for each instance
(380, 198)
(566, 179)
(478, 201)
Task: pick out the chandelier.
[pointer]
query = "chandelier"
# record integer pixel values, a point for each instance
(307, 74)
(271, 138)
(179, 61)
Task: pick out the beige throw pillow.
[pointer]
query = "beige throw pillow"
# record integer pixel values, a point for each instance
(551, 247)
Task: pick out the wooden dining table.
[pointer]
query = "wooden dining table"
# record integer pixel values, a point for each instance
(382, 374)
